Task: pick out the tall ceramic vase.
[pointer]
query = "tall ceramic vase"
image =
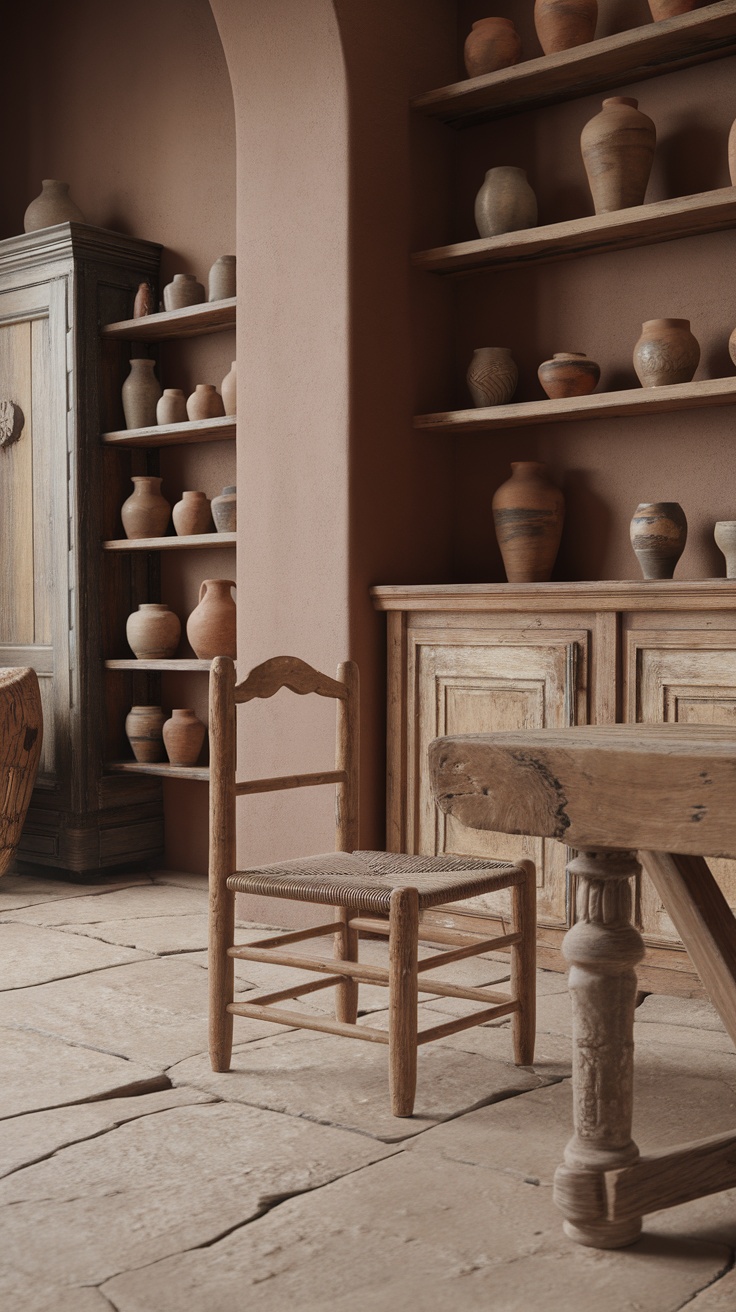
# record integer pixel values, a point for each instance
(562, 24)
(492, 375)
(505, 202)
(141, 393)
(658, 535)
(618, 149)
(211, 625)
(528, 512)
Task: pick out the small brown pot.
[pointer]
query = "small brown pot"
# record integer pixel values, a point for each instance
(184, 290)
(562, 24)
(492, 376)
(192, 514)
(143, 727)
(153, 631)
(658, 535)
(229, 390)
(725, 538)
(141, 392)
(670, 8)
(618, 148)
(53, 205)
(172, 408)
(505, 202)
(211, 626)
(492, 43)
(146, 513)
(222, 280)
(224, 510)
(528, 512)
(666, 353)
(183, 736)
(144, 302)
(569, 373)
(205, 402)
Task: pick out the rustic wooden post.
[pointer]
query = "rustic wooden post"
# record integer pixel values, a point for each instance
(347, 826)
(403, 988)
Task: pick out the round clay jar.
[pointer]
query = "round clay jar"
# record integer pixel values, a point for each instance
(146, 513)
(183, 291)
(568, 373)
(491, 44)
(661, 9)
(492, 376)
(564, 24)
(143, 728)
(172, 408)
(505, 202)
(205, 402)
(224, 510)
(183, 736)
(192, 514)
(53, 205)
(667, 352)
(658, 534)
(153, 631)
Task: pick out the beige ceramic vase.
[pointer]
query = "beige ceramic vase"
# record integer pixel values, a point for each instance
(183, 291)
(183, 736)
(224, 510)
(153, 631)
(222, 282)
(725, 538)
(569, 373)
(205, 402)
(229, 390)
(528, 512)
(618, 150)
(146, 513)
(143, 727)
(53, 205)
(192, 514)
(492, 376)
(658, 535)
(492, 43)
(172, 407)
(670, 8)
(562, 24)
(505, 202)
(211, 625)
(141, 392)
(666, 353)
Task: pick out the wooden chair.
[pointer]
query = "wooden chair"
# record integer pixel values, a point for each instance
(381, 893)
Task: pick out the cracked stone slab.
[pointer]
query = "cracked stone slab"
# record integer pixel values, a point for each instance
(693, 1013)
(163, 935)
(118, 904)
(27, 890)
(718, 1297)
(175, 879)
(40, 1071)
(163, 1184)
(34, 954)
(24, 1293)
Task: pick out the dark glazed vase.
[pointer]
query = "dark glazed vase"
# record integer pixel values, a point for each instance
(658, 536)
(528, 512)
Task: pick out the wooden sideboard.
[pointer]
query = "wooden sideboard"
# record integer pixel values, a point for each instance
(476, 658)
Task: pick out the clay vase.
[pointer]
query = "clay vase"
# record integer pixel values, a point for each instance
(229, 390)
(732, 346)
(666, 352)
(146, 513)
(184, 290)
(52, 205)
(725, 537)
(211, 625)
(192, 514)
(492, 43)
(183, 737)
(732, 154)
(569, 373)
(141, 392)
(143, 726)
(658, 536)
(172, 407)
(670, 8)
(505, 202)
(618, 149)
(562, 24)
(205, 402)
(222, 278)
(492, 376)
(528, 512)
(144, 302)
(153, 631)
(224, 510)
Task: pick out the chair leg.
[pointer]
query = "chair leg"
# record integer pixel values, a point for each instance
(346, 949)
(524, 966)
(221, 976)
(402, 999)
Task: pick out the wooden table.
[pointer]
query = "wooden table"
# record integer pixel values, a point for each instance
(662, 794)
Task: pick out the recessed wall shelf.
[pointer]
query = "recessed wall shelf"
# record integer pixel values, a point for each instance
(221, 429)
(185, 543)
(196, 772)
(192, 321)
(169, 666)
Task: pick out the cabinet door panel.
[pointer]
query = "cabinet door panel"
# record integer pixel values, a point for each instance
(16, 490)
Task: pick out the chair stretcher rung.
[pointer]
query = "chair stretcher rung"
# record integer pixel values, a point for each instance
(465, 1022)
(364, 973)
(301, 1020)
(485, 945)
(457, 991)
(249, 786)
(298, 990)
(281, 940)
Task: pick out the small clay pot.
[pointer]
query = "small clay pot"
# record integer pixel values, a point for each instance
(211, 627)
(229, 390)
(528, 512)
(53, 205)
(141, 392)
(492, 376)
(569, 373)
(666, 353)
(222, 280)
(144, 302)
(725, 537)
(224, 510)
(563, 24)
(146, 513)
(205, 402)
(184, 290)
(658, 535)
(618, 149)
(143, 727)
(172, 408)
(153, 631)
(492, 43)
(505, 202)
(192, 514)
(661, 9)
(183, 736)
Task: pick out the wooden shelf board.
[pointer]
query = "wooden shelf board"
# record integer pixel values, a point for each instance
(174, 543)
(586, 595)
(600, 405)
(192, 321)
(169, 666)
(160, 768)
(632, 56)
(644, 225)
(221, 429)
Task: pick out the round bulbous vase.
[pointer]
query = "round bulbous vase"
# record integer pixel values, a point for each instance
(725, 538)
(732, 346)
(563, 24)
(618, 149)
(172, 407)
(143, 728)
(661, 9)
(492, 43)
(658, 535)
(528, 512)
(182, 291)
(153, 631)
(53, 205)
(224, 510)
(222, 279)
(229, 390)
(205, 402)
(569, 373)
(505, 202)
(183, 736)
(141, 392)
(492, 376)
(667, 352)
(146, 513)
(192, 514)
(211, 625)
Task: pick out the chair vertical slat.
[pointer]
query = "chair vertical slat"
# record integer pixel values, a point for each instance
(347, 825)
(222, 858)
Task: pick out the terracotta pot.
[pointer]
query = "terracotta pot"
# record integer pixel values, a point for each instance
(666, 352)
(146, 513)
(222, 280)
(492, 376)
(569, 373)
(224, 510)
(141, 392)
(618, 149)
(183, 737)
(562, 24)
(732, 346)
(192, 514)
(492, 43)
(172, 408)
(229, 390)
(528, 512)
(670, 8)
(205, 402)
(211, 625)
(153, 631)
(184, 290)
(143, 726)
(658, 536)
(145, 302)
(725, 536)
(52, 205)
(732, 154)
(505, 202)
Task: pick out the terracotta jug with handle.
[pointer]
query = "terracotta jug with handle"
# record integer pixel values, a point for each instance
(211, 625)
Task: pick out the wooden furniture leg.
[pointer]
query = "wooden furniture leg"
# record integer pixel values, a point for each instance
(523, 966)
(346, 949)
(221, 864)
(403, 943)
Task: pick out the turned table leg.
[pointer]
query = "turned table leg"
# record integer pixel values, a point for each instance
(602, 947)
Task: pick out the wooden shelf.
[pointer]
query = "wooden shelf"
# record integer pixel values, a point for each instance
(600, 405)
(199, 773)
(192, 321)
(192, 541)
(644, 225)
(632, 56)
(206, 430)
(161, 667)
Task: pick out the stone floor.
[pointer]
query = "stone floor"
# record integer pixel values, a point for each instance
(135, 1179)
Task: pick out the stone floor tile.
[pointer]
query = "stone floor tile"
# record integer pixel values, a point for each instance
(180, 879)
(162, 935)
(33, 954)
(683, 1036)
(692, 1013)
(718, 1297)
(27, 890)
(23, 1293)
(118, 904)
(41, 1070)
